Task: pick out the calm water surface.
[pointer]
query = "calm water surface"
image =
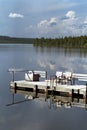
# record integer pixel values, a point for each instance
(35, 114)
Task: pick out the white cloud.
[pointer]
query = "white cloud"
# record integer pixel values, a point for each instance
(42, 23)
(85, 21)
(67, 25)
(56, 26)
(15, 15)
(70, 14)
(50, 22)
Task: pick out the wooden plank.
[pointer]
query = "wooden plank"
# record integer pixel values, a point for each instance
(43, 86)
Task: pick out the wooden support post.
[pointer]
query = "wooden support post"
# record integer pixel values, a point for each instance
(86, 95)
(15, 87)
(13, 76)
(72, 95)
(78, 96)
(46, 75)
(73, 81)
(46, 93)
(13, 99)
(35, 89)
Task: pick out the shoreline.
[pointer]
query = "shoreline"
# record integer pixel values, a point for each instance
(66, 42)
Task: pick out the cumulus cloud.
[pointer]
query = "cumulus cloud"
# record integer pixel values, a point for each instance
(42, 23)
(70, 14)
(85, 21)
(15, 15)
(56, 26)
(67, 25)
(51, 22)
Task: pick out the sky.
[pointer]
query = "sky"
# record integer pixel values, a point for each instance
(43, 18)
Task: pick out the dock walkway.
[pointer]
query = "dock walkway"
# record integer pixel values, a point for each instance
(47, 86)
(59, 83)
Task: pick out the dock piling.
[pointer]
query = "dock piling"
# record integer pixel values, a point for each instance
(86, 98)
(14, 86)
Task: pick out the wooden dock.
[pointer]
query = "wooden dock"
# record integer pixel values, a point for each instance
(47, 87)
(60, 83)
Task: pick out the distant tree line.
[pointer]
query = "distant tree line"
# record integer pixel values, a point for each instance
(66, 42)
(6, 39)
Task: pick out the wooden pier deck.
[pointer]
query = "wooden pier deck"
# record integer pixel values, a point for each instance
(48, 86)
(60, 83)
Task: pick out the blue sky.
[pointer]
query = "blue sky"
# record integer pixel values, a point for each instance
(43, 18)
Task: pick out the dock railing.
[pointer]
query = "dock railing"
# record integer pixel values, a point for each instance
(42, 74)
(13, 71)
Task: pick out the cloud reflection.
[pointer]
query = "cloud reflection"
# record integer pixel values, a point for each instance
(45, 64)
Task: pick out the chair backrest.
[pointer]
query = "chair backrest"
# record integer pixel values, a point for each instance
(42, 74)
(67, 74)
(59, 74)
(29, 76)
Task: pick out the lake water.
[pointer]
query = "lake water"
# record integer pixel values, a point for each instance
(36, 114)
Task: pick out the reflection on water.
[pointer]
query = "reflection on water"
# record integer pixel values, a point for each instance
(35, 115)
(62, 59)
(82, 52)
(52, 100)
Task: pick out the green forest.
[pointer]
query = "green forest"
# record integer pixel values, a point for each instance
(66, 42)
(69, 42)
(7, 39)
